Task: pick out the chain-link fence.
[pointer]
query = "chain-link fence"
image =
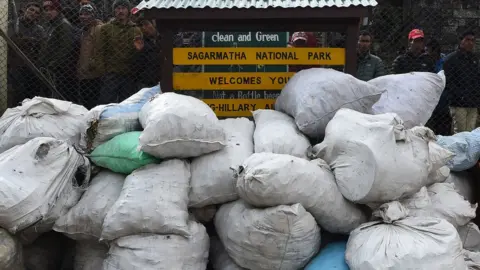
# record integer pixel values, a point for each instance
(57, 49)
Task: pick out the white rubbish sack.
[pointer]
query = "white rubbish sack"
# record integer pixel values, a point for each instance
(398, 242)
(179, 126)
(282, 237)
(107, 121)
(267, 179)
(214, 174)
(441, 200)
(412, 96)
(11, 256)
(375, 159)
(219, 256)
(154, 199)
(472, 259)
(470, 236)
(438, 176)
(276, 132)
(160, 252)
(68, 198)
(39, 182)
(463, 184)
(84, 221)
(465, 146)
(41, 117)
(89, 255)
(312, 97)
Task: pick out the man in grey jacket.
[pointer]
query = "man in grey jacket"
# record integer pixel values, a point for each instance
(369, 66)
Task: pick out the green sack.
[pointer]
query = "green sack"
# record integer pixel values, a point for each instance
(120, 154)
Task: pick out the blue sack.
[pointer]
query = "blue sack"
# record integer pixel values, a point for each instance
(132, 104)
(465, 146)
(331, 257)
(109, 120)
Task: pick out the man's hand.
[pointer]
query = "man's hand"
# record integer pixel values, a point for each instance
(138, 43)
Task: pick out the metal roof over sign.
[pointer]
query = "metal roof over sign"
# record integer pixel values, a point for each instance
(258, 4)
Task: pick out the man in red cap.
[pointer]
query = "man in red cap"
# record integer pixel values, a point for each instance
(415, 59)
(57, 57)
(299, 40)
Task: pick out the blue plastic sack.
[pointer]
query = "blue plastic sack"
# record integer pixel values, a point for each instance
(330, 257)
(465, 146)
(132, 104)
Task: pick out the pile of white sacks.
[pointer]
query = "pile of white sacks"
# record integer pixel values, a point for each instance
(376, 175)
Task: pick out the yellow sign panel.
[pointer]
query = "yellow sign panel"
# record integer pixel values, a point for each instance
(238, 107)
(258, 56)
(231, 81)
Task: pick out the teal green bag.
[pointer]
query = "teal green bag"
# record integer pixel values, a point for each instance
(120, 154)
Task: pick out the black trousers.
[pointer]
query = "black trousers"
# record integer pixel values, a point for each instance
(116, 88)
(23, 83)
(89, 92)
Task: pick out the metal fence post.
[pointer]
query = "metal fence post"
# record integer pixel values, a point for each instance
(3, 57)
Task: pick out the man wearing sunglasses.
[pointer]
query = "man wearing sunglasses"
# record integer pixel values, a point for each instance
(27, 34)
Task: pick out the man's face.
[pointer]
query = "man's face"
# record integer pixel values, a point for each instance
(50, 12)
(417, 44)
(300, 43)
(85, 18)
(468, 43)
(364, 43)
(148, 29)
(121, 13)
(32, 13)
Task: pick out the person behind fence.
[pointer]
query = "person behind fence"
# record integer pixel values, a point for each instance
(369, 66)
(58, 58)
(462, 70)
(27, 34)
(415, 59)
(119, 46)
(89, 76)
(441, 121)
(98, 11)
(148, 67)
(302, 40)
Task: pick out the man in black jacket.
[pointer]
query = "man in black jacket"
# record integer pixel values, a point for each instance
(147, 66)
(415, 59)
(28, 35)
(58, 58)
(462, 70)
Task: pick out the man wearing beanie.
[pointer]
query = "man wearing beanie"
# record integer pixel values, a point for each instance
(57, 57)
(89, 76)
(119, 46)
